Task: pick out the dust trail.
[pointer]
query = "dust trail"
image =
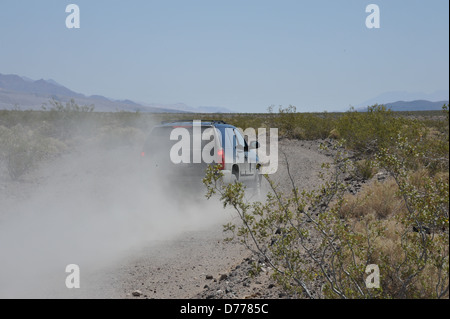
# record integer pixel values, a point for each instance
(89, 208)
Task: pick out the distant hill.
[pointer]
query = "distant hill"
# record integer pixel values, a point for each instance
(15, 83)
(213, 109)
(27, 94)
(391, 97)
(190, 109)
(410, 106)
(417, 105)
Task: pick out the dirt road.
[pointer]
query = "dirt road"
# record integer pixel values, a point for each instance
(90, 209)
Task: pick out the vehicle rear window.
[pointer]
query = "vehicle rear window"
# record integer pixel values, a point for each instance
(159, 139)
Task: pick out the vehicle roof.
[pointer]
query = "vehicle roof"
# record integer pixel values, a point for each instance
(190, 122)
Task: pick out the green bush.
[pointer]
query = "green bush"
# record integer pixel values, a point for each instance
(366, 132)
(314, 239)
(22, 149)
(364, 169)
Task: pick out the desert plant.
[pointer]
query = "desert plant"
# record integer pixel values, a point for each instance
(69, 119)
(363, 169)
(425, 238)
(22, 149)
(69, 107)
(317, 250)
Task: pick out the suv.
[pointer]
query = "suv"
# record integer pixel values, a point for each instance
(180, 152)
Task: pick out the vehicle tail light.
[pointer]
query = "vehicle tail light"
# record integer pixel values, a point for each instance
(142, 154)
(221, 158)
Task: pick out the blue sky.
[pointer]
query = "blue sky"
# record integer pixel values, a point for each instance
(244, 55)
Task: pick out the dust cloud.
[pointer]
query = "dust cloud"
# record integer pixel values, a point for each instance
(90, 207)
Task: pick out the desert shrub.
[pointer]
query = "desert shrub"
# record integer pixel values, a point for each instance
(22, 149)
(319, 243)
(281, 232)
(69, 119)
(427, 215)
(287, 121)
(378, 199)
(116, 136)
(367, 132)
(69, 107)
(364, 169)
(245, 121)
(364, 132)
(433, 150)
(304, 126)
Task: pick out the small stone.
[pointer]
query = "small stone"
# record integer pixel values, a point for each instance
(209, 277)
(136, 293)
(223, 277)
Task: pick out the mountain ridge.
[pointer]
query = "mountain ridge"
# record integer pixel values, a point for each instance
(399, 96)
(416, 105)
(23, 92)
(411, 106)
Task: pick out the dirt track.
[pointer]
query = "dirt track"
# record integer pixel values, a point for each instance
(123, 237)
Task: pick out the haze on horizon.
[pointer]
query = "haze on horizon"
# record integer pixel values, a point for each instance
(245, 56)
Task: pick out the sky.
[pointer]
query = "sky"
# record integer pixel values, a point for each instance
(244, 55)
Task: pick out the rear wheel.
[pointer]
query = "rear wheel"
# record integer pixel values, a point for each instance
(235, 174)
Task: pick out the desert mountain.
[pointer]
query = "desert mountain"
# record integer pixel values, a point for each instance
(25, 93)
